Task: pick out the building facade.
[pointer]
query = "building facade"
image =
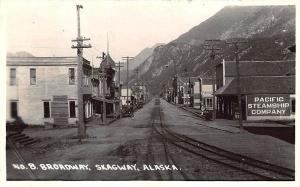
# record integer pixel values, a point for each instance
(108, 90)
(203, 93)
(44, 90)
(267, 90)
(124, 97)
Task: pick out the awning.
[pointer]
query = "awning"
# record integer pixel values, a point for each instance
(106, 100)
(222, 90)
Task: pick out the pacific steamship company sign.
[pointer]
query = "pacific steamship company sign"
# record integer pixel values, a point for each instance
(268, 105)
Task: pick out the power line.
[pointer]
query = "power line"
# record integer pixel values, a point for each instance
(80, 46)
(127, 58)
(119, 83)
(236, 44)
(212, 47)
(103, 77)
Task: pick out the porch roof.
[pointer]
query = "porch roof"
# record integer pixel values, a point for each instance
(260, 85)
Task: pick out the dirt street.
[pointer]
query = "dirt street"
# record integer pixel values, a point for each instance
(127, 149)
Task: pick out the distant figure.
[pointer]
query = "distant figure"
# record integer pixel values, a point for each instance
(20, 123)
(131, 111)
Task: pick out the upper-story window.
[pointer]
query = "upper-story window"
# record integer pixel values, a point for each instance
(209, 102)
(85, 80)
(71, 76)
(32, 76)
(12, 76)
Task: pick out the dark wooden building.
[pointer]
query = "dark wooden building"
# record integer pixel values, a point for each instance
(256, 78)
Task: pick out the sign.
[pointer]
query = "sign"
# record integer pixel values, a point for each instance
(268, 105)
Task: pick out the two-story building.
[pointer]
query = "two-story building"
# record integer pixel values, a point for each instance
(139, 92)
(203, 93)
(109, 96)
(124, 97)
(44, 90)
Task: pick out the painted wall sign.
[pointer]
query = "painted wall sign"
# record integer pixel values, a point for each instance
(268, 105)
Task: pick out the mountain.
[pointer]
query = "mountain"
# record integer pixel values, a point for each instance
(269, 30)
(142, 56)
(138, 60)
(243, 22)
(19, 54)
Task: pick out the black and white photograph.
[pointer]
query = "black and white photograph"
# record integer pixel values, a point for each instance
(149, 90)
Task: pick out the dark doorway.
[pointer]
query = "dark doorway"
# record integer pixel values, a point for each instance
(14, 109)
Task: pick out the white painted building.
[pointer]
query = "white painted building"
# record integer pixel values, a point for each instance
(203, 93)
(44, 89)
(124, 95)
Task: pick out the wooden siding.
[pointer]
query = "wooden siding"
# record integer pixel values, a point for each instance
(59, 109)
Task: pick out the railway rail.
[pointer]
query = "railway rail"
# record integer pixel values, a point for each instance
(245, 165)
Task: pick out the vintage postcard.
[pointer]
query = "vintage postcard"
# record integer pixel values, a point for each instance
(150, 91)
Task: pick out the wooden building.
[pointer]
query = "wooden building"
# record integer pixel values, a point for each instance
(111, 99)
(203, 93)
(258, 79)
(44, 90)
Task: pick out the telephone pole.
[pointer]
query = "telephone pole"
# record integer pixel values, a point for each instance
(103, 78)
(120, 90)
(137, 84)
(211, 47)
(137, 76)
(127, 58)
(79, 47)
(238, 85)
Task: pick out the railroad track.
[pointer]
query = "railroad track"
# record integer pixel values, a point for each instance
(245, 165)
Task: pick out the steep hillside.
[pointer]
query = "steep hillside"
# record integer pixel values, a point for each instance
(243, 22)
(269, 30)
(138, 60)
(142, 56)
(19, 54)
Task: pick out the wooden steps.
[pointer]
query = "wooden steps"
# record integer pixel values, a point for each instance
(20, 139)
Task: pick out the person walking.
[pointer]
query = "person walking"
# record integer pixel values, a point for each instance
(131, 111)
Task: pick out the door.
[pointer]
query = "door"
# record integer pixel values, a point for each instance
(59, 109)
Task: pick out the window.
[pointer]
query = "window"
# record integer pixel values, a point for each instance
(12, 75)
(85, 81)
(46, 109)
(71, 76)
(209, 102)
(72, 110)
(13, 109)
(32, 76)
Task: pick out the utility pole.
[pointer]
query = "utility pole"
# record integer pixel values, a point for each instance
(137, 83)
(79, 47)
(103, 78)
(238, 85)
(119, 83)
(137, 76)
(92, 73)
(127, 58)
(200, 93)
(210, 45)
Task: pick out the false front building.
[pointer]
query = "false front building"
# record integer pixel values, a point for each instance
(44, 90)
(202, 93)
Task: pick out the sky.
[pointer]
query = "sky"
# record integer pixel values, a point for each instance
(46, 28)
